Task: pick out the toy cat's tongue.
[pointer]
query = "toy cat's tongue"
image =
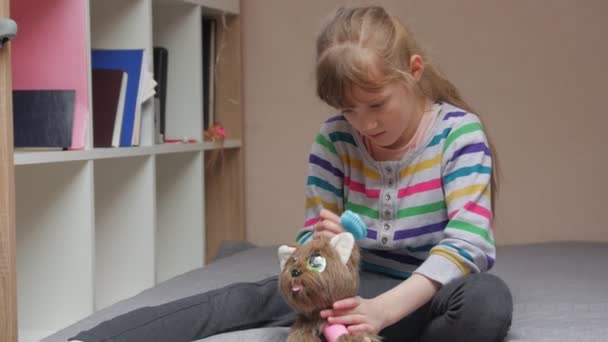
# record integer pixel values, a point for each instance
(295, 287)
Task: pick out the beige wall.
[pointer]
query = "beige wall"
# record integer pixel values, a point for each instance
(535, 70)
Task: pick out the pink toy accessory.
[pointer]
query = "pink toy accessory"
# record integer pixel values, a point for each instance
(333, 331)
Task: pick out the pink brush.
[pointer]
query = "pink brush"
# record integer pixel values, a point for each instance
(333, 331)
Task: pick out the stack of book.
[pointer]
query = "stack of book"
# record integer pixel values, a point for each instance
(121, 84)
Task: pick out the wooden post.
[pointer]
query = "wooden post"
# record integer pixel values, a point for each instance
(8, 282)
(224, 189)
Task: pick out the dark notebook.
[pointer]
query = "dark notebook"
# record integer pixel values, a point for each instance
(161, 62)
(108, 105)
(43, 118)
(208, 28)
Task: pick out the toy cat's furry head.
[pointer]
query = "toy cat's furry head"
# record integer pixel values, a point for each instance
(315, 275)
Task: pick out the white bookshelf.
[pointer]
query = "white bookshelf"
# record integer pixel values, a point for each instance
(98, 225)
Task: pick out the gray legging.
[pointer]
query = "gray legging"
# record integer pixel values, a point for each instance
(476, 308)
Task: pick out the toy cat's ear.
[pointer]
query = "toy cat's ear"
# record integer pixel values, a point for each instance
(343, 243)
(284, 253)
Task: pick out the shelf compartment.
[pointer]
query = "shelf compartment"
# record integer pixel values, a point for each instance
(125, 225)
(126, 24)
(212, 7)
(180, 213)
(52, 53)
(178, 29)
(55, 232)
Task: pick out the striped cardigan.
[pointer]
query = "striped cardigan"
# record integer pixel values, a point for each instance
(428, 213)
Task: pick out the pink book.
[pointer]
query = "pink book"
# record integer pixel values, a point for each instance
(51, 52)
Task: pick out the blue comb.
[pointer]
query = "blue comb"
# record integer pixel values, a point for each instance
(353, 224)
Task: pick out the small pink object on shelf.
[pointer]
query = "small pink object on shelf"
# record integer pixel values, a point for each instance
(215, 133)
(333, 331)
(180, 141)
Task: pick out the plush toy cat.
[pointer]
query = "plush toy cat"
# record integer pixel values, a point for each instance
(315, 275)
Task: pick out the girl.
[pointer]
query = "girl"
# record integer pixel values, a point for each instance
(409, 156)
(411, 159)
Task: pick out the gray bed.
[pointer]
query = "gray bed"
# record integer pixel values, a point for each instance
(560, 291)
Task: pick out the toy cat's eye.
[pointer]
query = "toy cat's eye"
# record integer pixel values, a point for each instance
(316, 262)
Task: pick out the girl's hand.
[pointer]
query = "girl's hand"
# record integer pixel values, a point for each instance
(358, 314)
(328, 226)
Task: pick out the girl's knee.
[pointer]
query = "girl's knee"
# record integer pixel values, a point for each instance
(491, 299)
(478, 307)
(490, 288)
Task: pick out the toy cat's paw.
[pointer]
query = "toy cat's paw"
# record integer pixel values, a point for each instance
(359, 338)
(302, 335)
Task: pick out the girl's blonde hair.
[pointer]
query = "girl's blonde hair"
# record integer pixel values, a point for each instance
(367, 47)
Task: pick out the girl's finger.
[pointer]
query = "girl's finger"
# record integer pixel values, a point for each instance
(347, 320)
(318, 234)
(329, 215)
(360, 328)
(330, 226)
(326, 313)
(335, 313)
(347, 304)
(339, 313)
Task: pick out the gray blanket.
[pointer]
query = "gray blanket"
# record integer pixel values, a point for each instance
(559, 289)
